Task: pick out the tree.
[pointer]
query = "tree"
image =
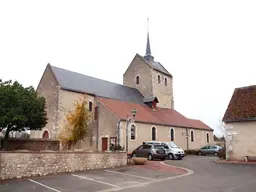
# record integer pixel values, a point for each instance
(20, 108)
(77, 127)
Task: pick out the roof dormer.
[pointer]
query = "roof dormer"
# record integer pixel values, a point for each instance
(151, 102)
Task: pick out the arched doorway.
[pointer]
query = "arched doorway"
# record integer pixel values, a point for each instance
(45, 134)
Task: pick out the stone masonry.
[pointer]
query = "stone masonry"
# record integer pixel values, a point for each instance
(27, 164)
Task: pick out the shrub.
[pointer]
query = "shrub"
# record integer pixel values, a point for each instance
(116, 148)
(222, 153)
(190, 152)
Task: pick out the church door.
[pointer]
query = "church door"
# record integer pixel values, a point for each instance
(104, 142)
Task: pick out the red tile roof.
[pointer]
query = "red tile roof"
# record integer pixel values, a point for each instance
(242, 106)
(162, 116)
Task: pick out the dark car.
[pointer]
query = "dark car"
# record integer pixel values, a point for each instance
(209, 150)
(150, 151)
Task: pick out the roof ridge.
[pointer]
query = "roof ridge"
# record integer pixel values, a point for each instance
(245, 87)
(91, 76)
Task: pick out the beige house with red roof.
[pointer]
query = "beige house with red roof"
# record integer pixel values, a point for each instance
(147, 88)
(240, 119)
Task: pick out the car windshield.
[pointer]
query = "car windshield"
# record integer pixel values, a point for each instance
(172, 145)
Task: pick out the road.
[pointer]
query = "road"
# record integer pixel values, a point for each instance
(202, 174)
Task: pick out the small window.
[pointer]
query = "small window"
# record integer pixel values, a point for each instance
(133, 132)
(159, 79)
(153, 134)
(207, 137)
(96, 113)
(165, 81)
(137, 80)
(90, 106)
(192, 136)
(172, 134)
(45, 134)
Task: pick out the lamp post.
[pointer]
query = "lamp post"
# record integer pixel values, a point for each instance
(128, 121)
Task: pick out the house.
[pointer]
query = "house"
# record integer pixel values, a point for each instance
(147, 88)
(240, 119)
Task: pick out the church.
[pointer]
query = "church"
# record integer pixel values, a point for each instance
(142, 109)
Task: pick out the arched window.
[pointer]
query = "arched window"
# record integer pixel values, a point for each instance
(153, 134)
(172, 134)
(159, 79)
(45, 134)
(207, 137)
(137, 80)
(192, 136)
(165, 81)
(133, 132)
(90, 106)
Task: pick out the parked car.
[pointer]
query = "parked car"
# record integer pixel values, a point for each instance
(209, 150)
(173, 151)
(150, 151)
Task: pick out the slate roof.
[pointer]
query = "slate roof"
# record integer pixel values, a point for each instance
(162, 116)
(242, 106)
(156, 65)
(72, 81)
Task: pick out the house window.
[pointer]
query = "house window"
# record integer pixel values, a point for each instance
(192, 136)
(133, 132)
(153, 134)
(96, 113)
(159, 80)
(90, 106)
(207, 137)
(172, 134)
(137, 80)
(165, 81)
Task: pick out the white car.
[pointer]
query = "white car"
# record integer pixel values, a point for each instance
(172, 149)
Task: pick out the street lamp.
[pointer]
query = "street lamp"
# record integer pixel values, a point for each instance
(128, 121)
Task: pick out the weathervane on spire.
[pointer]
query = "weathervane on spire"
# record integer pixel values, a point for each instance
(147, 25)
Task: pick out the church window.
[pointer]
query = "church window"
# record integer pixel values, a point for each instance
(172, 134)
(90, 106)
(192, 136)
(159, 79)
(207, 137)
(153, 134)
(133, 132)
(165, 81)
(137, 80)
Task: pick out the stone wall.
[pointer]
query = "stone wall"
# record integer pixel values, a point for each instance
(32, 144)
(26, 164)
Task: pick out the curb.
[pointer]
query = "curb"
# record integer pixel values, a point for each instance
(189, 171)
(220, 161)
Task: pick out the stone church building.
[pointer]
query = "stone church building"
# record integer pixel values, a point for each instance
(147, 88)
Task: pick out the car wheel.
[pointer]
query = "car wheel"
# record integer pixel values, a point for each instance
(215, 154)
(199, 153)
(150, 157)
(170, 156)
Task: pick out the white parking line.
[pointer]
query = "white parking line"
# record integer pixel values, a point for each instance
(130, 175)
(44, 185)
(189, 172)
(90, 179)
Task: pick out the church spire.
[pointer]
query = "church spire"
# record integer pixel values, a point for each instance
(148, 55)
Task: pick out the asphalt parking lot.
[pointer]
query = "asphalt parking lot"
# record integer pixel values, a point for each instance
(98, 180)
(199, 174)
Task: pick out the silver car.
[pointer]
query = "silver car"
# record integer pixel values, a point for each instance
(209, 150)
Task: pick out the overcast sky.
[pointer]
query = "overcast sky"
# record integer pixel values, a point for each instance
(208, 46)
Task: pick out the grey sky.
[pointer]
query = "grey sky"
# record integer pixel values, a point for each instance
(208, 46)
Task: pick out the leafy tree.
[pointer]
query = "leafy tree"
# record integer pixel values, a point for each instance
(20, 108)
(77, 127)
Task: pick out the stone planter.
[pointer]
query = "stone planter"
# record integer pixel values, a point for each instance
(139, 160)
